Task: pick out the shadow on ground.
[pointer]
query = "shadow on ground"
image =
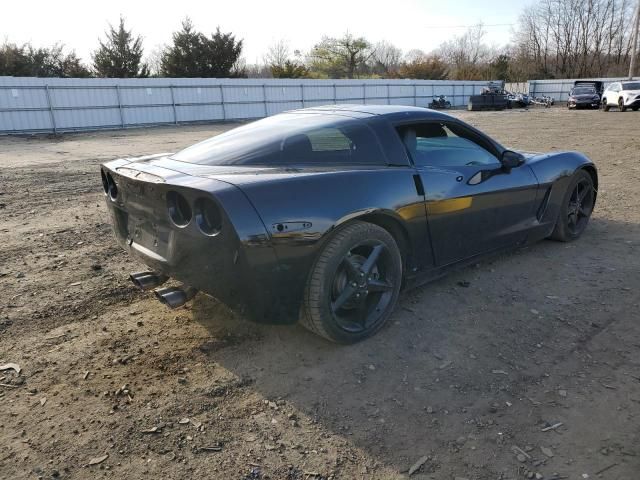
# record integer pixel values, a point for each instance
(445, 373)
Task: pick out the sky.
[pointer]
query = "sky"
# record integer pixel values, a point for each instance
(408, 24)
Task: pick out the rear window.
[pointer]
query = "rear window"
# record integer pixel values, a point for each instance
(288, 139)
(631, 86)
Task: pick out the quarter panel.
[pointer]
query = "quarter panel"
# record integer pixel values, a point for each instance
(315, 205)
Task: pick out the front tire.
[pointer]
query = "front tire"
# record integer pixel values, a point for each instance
(576, 208)
(354, 284)
(605, 105)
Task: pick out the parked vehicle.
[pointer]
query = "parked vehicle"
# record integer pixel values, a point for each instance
(543, 100)
(583, 97)
(518, 100)
(440, 102)
(597, 85)
(322, 214)
(492, 97)
(622, 95)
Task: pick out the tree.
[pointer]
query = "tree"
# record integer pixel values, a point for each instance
(499, 68)
(424, 67)
(120, 55)
(278, 60)
(14, 60)
(27, 61)
(341, 57)
(467, 54)
(290, 69)
(569, 39)
(386, 58)
(192, 54)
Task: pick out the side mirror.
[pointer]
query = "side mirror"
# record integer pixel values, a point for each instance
(511, 159)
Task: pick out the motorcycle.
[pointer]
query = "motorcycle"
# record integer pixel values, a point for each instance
(440, 102)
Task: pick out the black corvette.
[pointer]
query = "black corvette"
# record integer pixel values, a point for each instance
(322, 215)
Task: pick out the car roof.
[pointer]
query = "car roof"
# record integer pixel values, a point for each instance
(392, 112)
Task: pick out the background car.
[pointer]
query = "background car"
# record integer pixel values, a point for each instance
(583, 97)
(323, 214)
(622, 95)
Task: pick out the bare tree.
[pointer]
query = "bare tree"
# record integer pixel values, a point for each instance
(574, 38)
(386, 58)
(277, 54)
(467, 54)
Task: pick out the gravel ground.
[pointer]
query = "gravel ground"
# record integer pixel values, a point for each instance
(532, 367)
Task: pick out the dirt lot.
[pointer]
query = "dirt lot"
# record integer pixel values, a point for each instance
(547, 336)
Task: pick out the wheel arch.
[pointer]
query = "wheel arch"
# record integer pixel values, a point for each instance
(591, 170)
(395, 228)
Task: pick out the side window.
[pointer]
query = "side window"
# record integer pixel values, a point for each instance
(347, 144)
(437, 144)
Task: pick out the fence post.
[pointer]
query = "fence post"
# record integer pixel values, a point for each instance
(53, 118)
(335, 95)
(364, 93)
(119, 105)
(173, 104)
(224, 110)
(264, 99)
(388, 94)
(415, 96)
(302, 93)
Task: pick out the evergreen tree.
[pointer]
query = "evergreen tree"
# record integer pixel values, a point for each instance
(120, 56)
(192, 54)
(27, 61)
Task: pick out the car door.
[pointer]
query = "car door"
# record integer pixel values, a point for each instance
(473, 205)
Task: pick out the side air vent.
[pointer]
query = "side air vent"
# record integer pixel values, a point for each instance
(544, 204)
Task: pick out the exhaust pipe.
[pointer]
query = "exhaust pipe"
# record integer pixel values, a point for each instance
(148, 280)
(175, 297)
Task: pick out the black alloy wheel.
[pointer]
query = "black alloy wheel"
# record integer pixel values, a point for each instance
(354, 284)
(576, 208)
(580, 207)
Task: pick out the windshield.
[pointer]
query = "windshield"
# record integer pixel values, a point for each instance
(631, 86)
(290, 138)
(583, 91)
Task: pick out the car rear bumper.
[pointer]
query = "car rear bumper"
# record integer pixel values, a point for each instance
(237, 265)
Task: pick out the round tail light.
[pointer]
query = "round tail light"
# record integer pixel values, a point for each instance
(179, 209)
(208, 216)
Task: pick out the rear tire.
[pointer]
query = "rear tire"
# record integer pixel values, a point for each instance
(576, 208)
(605, 105)
(635, 109)
(354, 284)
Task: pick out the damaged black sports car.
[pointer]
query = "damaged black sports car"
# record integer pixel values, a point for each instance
(323, 214)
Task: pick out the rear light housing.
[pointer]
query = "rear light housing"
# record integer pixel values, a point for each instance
(178, 209)
(208, 216)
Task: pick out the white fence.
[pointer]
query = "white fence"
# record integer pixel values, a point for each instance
(559, 89)
(32, 105)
